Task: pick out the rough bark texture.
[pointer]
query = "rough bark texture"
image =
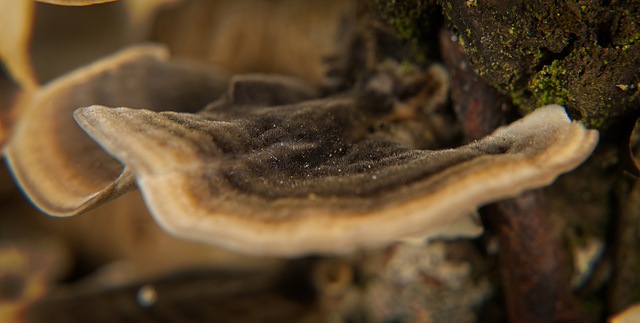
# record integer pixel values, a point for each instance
(479, 107)
(407, 29)
(585, 56)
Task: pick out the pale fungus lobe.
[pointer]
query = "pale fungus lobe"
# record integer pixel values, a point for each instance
(314, 176)
(75, 2)
(15, 28)
(58, 166)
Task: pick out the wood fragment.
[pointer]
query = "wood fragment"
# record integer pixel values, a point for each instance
(535, 277)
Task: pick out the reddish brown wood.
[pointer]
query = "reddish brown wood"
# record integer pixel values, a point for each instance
(533, 271)
(479, 107)
(531, 261)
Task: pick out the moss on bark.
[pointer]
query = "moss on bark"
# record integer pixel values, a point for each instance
(585, 56)
(414, 24)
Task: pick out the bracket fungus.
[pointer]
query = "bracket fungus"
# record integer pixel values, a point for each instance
(272, 168)
(15, 28)
(312, 177)
(61, 169)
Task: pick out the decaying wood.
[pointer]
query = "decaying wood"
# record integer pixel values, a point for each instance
(531, 261)
(480, 108)
(532, 264)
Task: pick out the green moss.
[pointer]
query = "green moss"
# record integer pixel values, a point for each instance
(461, 42)
(633, 38)
(404, 27)
(550, 85)
(403, 16)
(539, 53)
(415, 24)
(596, 123)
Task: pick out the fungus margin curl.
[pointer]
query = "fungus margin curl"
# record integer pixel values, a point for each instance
(201, 184)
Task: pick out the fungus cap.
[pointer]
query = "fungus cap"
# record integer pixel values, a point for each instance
(309, 177)
(57, 165)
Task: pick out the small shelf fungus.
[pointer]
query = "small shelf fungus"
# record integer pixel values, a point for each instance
(309, 177)
(271, 168)
(58, 166)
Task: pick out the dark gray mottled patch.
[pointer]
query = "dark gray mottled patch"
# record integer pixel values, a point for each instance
(323, 148)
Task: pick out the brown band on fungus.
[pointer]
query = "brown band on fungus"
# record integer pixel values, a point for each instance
(74, 2)
(311, 177)
(59, 167)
